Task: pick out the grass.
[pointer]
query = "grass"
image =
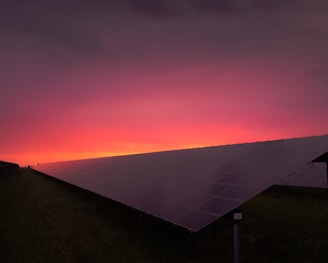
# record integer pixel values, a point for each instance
(45, 220)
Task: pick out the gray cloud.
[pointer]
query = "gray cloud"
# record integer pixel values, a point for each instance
(73, 30)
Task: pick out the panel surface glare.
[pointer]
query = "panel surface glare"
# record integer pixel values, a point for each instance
(194, 187)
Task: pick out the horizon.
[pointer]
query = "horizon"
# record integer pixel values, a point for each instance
(25, 163)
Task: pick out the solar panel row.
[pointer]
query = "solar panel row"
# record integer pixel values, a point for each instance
(194, 187)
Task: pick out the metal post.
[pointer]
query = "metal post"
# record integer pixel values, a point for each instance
(140, 216)
(237, 217)
(327, 173)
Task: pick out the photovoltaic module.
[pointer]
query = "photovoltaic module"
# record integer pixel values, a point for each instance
(194, 187)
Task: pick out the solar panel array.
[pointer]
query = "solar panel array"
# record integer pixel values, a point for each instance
(194, 187)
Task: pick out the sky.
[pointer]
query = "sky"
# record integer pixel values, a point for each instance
(83, 79)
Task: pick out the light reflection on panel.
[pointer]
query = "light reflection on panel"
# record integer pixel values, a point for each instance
(193, 187)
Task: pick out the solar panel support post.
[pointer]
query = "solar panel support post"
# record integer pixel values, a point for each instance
(327, 173)
(237, 217)
(140, 217)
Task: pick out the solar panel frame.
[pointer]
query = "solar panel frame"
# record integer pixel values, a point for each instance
(193, 187)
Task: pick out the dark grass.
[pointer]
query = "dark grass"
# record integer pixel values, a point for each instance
(45, 220)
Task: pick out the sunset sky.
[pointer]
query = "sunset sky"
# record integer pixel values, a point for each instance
(83, 79)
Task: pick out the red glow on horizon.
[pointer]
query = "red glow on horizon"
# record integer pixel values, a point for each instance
(127, 148)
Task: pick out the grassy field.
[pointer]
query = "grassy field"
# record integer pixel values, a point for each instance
(44, 220)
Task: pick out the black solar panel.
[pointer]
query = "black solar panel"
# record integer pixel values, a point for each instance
(194, 187)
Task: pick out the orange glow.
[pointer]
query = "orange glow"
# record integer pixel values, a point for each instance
(88, 146)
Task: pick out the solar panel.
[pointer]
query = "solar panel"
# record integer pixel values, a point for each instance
(194, 187)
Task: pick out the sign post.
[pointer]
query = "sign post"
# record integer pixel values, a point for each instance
(237, 217)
